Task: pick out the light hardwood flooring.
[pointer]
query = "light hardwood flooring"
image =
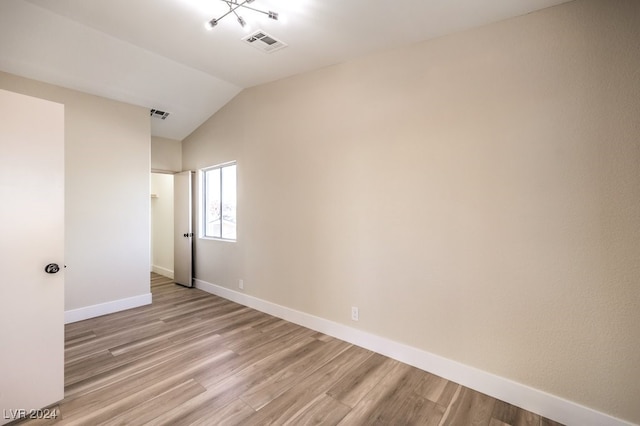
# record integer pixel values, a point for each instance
(192, 358)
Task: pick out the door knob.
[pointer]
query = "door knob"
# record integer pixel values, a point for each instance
(52, 268)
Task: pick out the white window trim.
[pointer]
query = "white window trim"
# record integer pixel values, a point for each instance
(202, 201)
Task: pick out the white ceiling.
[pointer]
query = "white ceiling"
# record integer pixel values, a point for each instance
(158, 53)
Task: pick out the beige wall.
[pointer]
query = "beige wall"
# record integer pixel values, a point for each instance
(476, 196)
(106, 194)
(166, 155)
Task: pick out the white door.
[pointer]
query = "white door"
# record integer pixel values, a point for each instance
(183, 231)
(31, 237)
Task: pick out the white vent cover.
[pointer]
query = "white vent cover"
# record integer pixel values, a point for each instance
(159, 114)
(264, 42)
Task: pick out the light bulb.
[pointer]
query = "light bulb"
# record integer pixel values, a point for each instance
(212, 23)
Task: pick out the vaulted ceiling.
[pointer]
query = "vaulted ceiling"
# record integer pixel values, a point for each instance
(158, 53)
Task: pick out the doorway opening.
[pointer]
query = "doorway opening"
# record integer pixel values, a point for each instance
(162, 220)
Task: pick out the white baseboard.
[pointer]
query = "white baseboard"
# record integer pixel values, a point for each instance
(530, 399)
(162, 271)
(93, 311)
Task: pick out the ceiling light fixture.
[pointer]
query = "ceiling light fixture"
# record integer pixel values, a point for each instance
(234, 5)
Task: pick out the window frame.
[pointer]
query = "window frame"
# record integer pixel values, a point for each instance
(203, 202)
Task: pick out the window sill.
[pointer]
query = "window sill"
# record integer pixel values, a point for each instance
(226, 240)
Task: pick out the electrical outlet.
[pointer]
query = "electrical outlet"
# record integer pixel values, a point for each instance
(241, 284)
(354, 313)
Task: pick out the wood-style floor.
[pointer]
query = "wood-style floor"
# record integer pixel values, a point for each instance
(192, 358)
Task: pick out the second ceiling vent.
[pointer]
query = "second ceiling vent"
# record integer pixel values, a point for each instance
(156, 113)
(264, 42)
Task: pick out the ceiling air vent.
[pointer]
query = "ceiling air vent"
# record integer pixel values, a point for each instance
(159, 114)
(264, 42)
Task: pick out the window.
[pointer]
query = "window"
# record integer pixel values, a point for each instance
(219, 202)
